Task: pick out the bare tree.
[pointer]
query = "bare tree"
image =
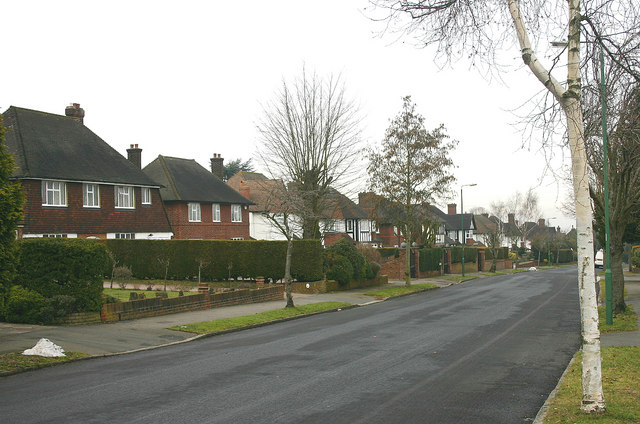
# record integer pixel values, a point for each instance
(479, 29)
(624, 187)
(309, 139)
(413, 168)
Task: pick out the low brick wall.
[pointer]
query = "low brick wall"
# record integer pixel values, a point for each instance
(157, 306)
(80, 318)
(327, 286)
(500, 264)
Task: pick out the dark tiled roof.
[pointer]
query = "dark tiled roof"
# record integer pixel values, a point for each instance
(340, 206)
(49, 146)
(187, 181)
(484, 224)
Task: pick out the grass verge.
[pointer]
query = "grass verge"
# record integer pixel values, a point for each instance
(626, 321)
(14, 362)
(205, 327)
(461, 278)
(621, 386)
(399, 290)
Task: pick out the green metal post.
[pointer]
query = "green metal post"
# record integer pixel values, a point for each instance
(605, 145)
(462, 226)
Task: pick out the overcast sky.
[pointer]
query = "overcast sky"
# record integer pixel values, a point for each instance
(187, 79)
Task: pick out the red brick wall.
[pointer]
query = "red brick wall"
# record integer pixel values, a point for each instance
(178, 213)
(387, 236)
(76, 219)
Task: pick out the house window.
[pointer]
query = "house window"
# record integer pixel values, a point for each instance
(194, 212)
(349, 225)
(54, 235)
(236, 213)
(237, 238)
(215, 212)
(124, 197)
(125, 235)
(54, 193)
(90, 196)
(146, 195)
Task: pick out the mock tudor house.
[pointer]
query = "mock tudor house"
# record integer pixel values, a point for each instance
(342, 217)
(198, 203)
(76, 185)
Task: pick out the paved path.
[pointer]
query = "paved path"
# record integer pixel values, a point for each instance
(627, 338)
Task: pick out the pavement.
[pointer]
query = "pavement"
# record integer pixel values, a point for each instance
(146, 333)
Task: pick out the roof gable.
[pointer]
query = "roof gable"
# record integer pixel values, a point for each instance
(186, 180)
(49, 146)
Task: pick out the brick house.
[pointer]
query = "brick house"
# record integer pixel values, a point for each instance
(76, 185)
(198, 203)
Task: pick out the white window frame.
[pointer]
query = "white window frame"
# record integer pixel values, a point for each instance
(54, 193)
(236, 213)
(215, 212)
(125, 236)
(90, 195)
(124, 199)
(194, 212)
(349, 226)
(145, 195)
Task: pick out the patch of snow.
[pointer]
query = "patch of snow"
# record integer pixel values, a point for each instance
(533, 268)
(45, 347)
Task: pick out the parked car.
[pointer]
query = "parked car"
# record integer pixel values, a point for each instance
(599, 261)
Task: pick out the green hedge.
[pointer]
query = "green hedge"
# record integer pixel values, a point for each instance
(387, 252)
(220, 258)
(502, 253)
(69, 267)
(430, 259)
(565, 256)
(470, 254)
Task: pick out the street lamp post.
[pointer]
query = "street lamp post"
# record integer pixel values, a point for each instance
(608, 285)
(549, 241)
(464, 241)
(603, 99)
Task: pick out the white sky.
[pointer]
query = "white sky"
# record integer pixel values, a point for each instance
(187, 79)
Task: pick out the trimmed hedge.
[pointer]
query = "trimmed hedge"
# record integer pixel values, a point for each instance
(387, 252)
(430, 259)
(70, 267)
(470, 254)
(565, 256)
(221, 259)
(502, 253)
(348, 250)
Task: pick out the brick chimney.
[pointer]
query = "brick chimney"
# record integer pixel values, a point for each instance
(134, 154)
(75, 111)
(245, 190)
(512, 218)
(541, 222)
(451, 209)
(217, 166)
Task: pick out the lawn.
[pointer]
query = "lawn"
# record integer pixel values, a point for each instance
(627, 321)
(400, 290)
(205, 327)
(11, 362)
(123, 295)
(621, 386)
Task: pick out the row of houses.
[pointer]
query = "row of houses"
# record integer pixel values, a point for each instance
(78, 186)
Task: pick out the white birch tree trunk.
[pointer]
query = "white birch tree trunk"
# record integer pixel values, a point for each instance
(569, 99)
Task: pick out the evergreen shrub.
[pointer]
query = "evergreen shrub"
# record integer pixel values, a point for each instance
(221, 259)
(565, 256)
(69, 267)
(348, 249)
(338, 268)
(25, 305)
(387, 252)
(470, 254)
(430, 259)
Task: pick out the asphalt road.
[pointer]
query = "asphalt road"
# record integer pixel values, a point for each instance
(486, 351)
